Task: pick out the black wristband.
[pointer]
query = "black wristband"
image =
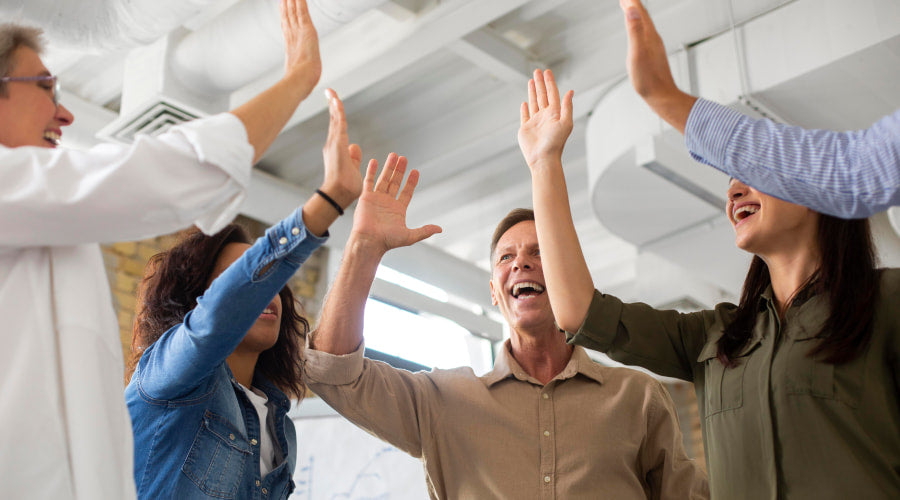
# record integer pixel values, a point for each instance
(327, 198)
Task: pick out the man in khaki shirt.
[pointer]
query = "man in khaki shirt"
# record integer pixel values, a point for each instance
(546, 422)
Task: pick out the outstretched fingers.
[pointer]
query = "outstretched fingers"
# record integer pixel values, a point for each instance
(397, 176)
(384, 180)
(337, 124)
(565, 114)
(371, 174)
(552, 91)
(540, 88)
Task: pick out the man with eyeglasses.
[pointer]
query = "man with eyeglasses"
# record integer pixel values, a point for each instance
(64, 429)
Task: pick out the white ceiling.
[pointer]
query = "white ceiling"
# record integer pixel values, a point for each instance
(441, 82)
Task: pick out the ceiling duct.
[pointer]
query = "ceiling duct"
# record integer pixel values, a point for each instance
(648, 191)
(104, 25)
(245, 42)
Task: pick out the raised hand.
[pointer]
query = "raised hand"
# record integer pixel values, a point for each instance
(301, 42)
(546, 123)
(380, 218)
(342, 179)
(649, 69)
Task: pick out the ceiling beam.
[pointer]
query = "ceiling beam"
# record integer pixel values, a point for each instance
(498, 57)
(393, 50)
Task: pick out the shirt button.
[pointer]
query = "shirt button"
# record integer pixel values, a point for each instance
(265, 491)
(547, 433)
(546, 479)
(545, 396)
(257, 483)
(282, 240)
(295, 231)
(231, 437)
(253, 442)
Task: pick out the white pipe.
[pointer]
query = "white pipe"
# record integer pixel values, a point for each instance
(102, 25)
(246, 41)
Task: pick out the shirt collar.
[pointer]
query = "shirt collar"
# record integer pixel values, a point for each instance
(505, 366)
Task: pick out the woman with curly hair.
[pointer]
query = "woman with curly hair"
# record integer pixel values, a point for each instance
(217, 347)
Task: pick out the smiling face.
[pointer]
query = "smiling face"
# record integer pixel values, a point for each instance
(264, 333)
(517, 280)
(28, 116)
(764, 224)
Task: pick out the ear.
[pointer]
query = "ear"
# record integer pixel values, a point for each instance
(493, 294)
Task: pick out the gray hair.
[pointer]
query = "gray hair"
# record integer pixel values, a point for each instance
(13, 36)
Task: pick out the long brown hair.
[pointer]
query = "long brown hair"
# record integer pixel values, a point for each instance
(846, 276)
(173, 280)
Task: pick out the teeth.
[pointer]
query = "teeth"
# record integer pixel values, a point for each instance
(526, 284)
(744, 211)
(52, 137)
(269, 310)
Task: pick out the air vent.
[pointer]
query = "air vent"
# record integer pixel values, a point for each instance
(153, 118)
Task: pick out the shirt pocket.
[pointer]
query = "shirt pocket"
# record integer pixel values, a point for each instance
(217, 457)
(806, 376)
(724, 387)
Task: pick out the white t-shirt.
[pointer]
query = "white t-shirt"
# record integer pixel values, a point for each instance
(266, 445)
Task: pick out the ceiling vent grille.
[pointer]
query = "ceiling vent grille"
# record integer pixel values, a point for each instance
(153, 118)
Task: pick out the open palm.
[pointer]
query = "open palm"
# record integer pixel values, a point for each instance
(380, 217)
(546, 123)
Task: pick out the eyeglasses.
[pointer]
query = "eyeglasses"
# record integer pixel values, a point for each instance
(54, 81)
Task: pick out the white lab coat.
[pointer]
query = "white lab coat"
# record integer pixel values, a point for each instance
(64, 429)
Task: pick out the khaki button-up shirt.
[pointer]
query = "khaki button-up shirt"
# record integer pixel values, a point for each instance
(591, 432)
(780, 424)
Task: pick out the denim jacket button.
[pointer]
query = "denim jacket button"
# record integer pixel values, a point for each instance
(295, 231)
(265, 491)
(257, 483)
(253, 442)
(231, 437)
(282, 240)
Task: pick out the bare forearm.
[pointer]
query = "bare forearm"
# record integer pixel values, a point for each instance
(673, 106)
(569, 282)
(340, 329)
(266, 114)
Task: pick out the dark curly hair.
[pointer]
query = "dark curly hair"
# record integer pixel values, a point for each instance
(174, 279)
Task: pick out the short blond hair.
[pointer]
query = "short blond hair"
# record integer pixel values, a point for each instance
(13, 36)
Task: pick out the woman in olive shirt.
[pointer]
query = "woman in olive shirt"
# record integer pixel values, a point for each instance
(797, 384)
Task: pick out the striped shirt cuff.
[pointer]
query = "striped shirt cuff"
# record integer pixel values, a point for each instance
(708, 133)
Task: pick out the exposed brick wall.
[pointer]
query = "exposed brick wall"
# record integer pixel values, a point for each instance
(125, 263)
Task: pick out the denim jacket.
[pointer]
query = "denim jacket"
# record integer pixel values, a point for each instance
(196, 434)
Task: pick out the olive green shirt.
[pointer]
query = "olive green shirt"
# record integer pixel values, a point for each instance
(780, 424)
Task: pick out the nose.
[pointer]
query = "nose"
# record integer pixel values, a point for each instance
(64, 116)
(522, 262)
(737, 189)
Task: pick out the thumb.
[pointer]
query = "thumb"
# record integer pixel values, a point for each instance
(424, 232)
(634, 14)
(355, 153)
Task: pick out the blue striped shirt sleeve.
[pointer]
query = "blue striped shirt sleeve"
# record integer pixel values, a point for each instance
(846, 174)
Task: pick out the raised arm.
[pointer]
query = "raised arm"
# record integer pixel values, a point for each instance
(379, 225)
(649, 69)
(545, 125)
(845, 174)
(266, 114)
(185, 356)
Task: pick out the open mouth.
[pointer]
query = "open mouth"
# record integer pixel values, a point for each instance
(269, 312)
(52, 137)
(744, 212)
(526, 289)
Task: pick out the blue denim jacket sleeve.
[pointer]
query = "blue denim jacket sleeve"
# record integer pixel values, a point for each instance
(181, 361)
(846, 174)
